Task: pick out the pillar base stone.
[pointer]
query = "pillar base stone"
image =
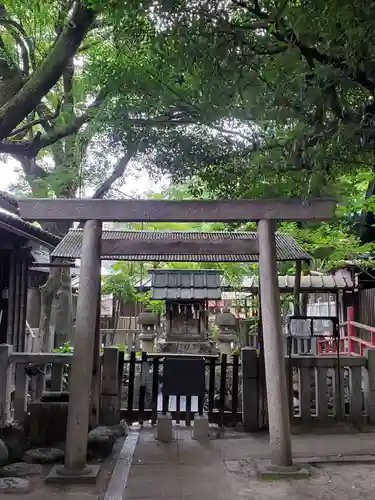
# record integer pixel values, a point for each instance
(60, 475)
(201, 430)
(164, 431)
(270, 472)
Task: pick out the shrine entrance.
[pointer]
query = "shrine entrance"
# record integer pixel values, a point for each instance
(94, 244)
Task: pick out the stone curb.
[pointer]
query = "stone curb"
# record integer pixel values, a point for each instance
(120, 475)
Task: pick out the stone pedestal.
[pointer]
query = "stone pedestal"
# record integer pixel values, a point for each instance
(225, 343)
(148, 341)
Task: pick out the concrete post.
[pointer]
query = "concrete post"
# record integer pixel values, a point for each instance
(250, 393)
(81, 371)
(277, 396)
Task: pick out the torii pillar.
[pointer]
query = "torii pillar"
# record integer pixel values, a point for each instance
(75, 469)
(277, 395)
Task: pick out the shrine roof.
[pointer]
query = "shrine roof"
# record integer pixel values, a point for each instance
(180, 246)
(185, 284)
(11, 221)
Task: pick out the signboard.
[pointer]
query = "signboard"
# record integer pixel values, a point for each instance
(183, 377)
(313, 326)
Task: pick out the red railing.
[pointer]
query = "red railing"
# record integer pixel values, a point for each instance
(350, 341)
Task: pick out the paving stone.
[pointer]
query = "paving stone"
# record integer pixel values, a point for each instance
(43, 455)
(21, 469)
(14, 485)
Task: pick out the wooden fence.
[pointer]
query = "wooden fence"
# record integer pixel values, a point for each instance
(142, 401)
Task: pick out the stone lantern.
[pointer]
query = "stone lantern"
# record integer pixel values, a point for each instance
(148, 321)
(227, 323)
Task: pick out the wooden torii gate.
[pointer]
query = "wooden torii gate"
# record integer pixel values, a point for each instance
(265, 212)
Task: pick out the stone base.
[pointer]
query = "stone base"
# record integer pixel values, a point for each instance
(164, 431)
(273, 472)
(88, 476)
(201, 431)
(187, 347)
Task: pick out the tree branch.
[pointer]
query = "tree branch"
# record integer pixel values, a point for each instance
(31, 149)
(48, 73)
(118, 171)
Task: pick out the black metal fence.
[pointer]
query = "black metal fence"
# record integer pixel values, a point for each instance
(142, 380)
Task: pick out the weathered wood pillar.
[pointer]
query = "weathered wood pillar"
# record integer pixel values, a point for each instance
(33, 306)
(273, 340)
(96, 369)
(81, 371)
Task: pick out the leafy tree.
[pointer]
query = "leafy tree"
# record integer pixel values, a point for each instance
(294, 82)
(77, 106)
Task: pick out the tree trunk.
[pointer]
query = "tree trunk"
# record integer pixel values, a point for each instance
(48, 292)
(62, 311)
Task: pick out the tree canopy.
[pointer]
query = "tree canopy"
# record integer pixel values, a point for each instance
(233, 98)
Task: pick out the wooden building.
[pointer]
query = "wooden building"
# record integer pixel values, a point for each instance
(21, 245)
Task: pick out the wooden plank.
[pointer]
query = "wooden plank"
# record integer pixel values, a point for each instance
(289, 209)
(245, 246)
(41, 358)
(356, 395)
(322, 393)
(11, 299)
(305, 394)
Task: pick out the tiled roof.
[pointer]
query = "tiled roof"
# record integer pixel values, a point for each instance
(9, 219)
(287, 247)
(185, 284)
(251, 283)
(326, 282)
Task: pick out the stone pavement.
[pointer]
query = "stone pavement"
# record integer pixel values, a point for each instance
(225, 468)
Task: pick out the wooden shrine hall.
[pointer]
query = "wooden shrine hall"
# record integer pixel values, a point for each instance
(92, 244)
(22, 247)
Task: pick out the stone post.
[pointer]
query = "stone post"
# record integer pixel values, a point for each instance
(5, 356)
(75, 468)
(250, 393)
(277, 396)
(110, 401)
